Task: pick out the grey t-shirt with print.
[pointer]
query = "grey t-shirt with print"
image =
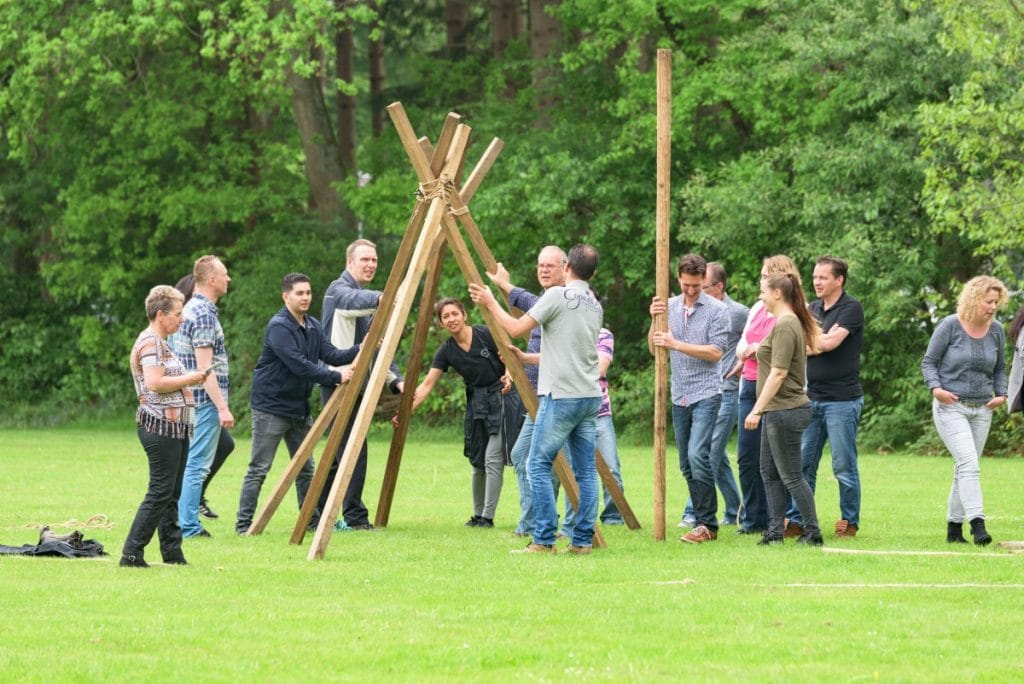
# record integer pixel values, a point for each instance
(570, 318)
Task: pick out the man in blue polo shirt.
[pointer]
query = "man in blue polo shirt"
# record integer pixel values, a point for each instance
(289, 366)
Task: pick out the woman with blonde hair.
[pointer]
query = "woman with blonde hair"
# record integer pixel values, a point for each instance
(965, 369)
(164, 420)
(781, 377)
(754, 516)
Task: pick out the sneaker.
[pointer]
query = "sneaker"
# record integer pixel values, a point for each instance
(727, 522)
(536, 548)
(133, 562)
(688, 521)
(176, 560)
(579, 550)
(200, 533)
(769, 539)
(792, 530)
(699, 535)
(364, 527)
(206, 511)
(341, 526)
(473, 522)
(845, 529)
(810, 539)
(485, 522)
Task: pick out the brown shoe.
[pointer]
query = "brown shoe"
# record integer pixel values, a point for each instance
(699, 535)
(536, 548)
(579, 550)
(845, 529)
(792, 530)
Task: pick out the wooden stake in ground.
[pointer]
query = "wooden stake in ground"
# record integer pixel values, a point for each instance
(660, 322)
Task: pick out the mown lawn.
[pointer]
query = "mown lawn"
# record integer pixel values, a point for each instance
(429, 600)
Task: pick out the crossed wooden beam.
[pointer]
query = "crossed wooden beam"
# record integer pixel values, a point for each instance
(441, 206)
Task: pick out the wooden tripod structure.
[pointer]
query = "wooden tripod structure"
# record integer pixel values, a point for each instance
(441, 206)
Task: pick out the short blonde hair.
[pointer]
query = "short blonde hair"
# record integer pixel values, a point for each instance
(974, 291)
(160, 299)
(204, 268)
(356, 244)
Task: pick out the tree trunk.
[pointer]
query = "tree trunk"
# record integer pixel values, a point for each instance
(377, 104)
(456, 17)
(346, 103)
(545, 34)
(506, 24)
(323, 164)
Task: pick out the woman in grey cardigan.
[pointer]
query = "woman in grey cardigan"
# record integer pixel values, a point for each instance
(965, 369)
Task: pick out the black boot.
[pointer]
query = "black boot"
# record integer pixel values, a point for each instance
(955, 533)
(981, 537)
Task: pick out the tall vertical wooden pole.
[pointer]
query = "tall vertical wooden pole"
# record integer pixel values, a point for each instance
(661, 283)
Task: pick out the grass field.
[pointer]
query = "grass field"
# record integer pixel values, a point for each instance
(429, 600)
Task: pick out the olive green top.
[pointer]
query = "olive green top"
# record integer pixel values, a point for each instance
(784, 348)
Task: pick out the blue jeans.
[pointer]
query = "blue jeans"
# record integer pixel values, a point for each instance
(694, 426)
(267, 431)
(201, 451)
(519, 458)
(606, 444)
(837, 422)
(720, 460)
(748, 462)
(571, 422)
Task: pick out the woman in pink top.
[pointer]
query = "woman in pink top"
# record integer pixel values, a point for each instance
(754, 516)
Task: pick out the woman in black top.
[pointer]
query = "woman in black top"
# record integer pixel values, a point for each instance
(491, 412)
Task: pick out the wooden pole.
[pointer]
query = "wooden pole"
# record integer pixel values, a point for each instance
(412, 372)
(660, 323)
(392, 334)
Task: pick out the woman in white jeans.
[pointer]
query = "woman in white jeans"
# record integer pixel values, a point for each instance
(965, 369)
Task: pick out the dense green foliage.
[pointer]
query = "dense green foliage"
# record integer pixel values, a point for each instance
(138, 136)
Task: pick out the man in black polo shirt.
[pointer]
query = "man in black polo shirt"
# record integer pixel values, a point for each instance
(289, 365)
(833, 385)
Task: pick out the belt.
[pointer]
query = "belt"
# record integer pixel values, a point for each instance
(974, 404)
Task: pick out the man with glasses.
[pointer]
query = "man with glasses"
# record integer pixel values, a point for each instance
(550, 273)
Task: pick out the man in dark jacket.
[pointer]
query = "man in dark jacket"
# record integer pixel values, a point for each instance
(294, 344)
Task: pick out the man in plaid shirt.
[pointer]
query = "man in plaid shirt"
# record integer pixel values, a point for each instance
(698, 331)
(199, 344)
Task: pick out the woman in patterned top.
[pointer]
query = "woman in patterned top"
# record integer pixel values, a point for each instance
(164, 421)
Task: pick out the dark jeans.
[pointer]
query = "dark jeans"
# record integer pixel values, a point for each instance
(267, 431)
(748, 461)
(782, 467)
(225, 445)
(158, 511)
(352, 507)
(694, 426)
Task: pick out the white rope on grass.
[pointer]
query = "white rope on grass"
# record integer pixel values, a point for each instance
(98, 521)
(868, 552)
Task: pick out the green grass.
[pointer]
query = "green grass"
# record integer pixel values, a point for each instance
(428, 600)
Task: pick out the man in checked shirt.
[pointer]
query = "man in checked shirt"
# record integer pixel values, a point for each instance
(698, 329)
